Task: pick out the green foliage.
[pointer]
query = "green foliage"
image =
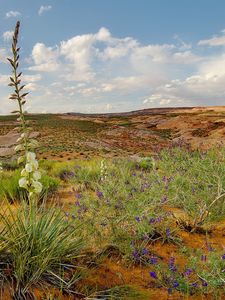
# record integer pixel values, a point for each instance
(38, 242)
(197, 179)
(10, 190)
(124, 292)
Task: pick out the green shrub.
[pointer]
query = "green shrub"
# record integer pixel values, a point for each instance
(38, 243)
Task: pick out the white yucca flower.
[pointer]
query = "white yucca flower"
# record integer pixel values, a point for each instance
(103, 170)
(28, 168)
(23, 182)
(37, 186)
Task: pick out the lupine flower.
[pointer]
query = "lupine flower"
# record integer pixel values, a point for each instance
(152, 221)
(153, 275)
(195, 284)
(175, 284)
(223, 256)
(203, 258)
(136, 255)
(99, 194)
(172, 267)
(153, 260)
(137, 219)
(145, 251)
(168, 232)
(204, 283)
(188, 272)
(170, 290)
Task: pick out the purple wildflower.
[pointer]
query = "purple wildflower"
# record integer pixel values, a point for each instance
(223, 256)
(136, 255)
(145, 251)
(153, 260)
(172, 267)
(137, 219)
(195, 284)
(168, 232)
(170, 291)
(175, 284)
(153, 275)
(152, 221)
(77, 203)
(204, 283)
(99, 194)
(203, 258)
(188, 272)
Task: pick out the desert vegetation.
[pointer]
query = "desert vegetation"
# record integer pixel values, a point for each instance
(109, 224)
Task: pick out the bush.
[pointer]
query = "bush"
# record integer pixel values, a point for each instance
(38, 243)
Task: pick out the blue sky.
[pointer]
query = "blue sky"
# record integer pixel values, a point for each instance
(115, 55)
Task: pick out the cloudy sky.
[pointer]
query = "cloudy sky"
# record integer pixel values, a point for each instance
(115, 55)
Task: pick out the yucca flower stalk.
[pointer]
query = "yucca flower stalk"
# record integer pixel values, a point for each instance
(103, 170)
(30, 175)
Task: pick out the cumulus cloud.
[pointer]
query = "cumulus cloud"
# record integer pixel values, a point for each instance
(12, 13)
(97, 72)
(44, 58)
(214, 41)
(7, 35)
(43, 9)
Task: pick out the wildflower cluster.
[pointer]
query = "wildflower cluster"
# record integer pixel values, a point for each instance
(198, 276)
(30, 175)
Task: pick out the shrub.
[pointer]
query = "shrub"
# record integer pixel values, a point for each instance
(38, 243)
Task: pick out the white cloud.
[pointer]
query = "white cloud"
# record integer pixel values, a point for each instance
(12, 13)
(43, 9)
(44, 58)
(100, 72)
(4, 79)
(7, 35)
(214, 41)
(3, 55)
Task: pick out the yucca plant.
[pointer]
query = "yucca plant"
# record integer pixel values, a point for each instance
(38, 243)
(30, 175)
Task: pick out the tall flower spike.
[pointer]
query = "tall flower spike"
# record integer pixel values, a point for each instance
(30, 175)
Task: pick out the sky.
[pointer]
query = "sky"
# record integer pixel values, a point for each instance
(115, 55)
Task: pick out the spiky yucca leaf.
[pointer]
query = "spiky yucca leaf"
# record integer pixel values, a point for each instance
(37, 241)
